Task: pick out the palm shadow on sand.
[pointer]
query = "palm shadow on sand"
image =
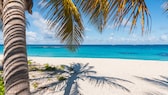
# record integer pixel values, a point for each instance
(75, 72)
(154, 93)
(162, 82)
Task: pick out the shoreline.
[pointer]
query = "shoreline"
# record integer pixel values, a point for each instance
(1, 56)
(96, 58)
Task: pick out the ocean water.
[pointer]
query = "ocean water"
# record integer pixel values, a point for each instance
(140, 52)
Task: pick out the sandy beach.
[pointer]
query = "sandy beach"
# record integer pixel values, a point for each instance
(147, 77)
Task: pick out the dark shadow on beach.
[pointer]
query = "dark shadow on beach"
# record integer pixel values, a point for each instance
(162, 82)
(154, 93)
(68, 82)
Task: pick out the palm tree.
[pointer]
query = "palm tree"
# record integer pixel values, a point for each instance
(15, 56)
(65, 17)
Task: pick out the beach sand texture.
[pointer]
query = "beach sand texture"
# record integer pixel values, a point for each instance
(147, 77)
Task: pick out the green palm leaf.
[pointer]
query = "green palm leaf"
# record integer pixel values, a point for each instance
(132, 9)
(65, 18)
(97, 10)
(165, 6)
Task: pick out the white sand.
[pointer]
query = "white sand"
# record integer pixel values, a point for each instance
(119, 68)
(124, 69)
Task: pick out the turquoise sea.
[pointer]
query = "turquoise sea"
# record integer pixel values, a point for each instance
(140, 52)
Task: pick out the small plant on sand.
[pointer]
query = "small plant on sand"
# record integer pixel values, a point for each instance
(49, 79)
(2, 89)
(30, 62)
(47, 67)
(35, 84)
(33, 76)
(0, 73)
(61, 78)
(60, 67)
(32, 67)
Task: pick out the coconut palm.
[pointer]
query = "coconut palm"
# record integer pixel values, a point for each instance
(65, 17)
(67, 14)
(15, 56)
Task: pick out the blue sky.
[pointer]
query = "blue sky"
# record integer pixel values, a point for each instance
(38, 32)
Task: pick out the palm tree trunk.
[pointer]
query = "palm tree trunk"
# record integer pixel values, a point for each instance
(15, 55)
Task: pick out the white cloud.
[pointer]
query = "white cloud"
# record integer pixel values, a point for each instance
(31, 37)
(133, 39)
(40, 34)
(113, 26)
(86, 37)
(36, 15)
(110, 38)
(88, 29)
(1, 37)
(151, 39)
(164, 37)
(112, 34)
(110, 26)
(31, 34)
(40, 22)
(125, 21)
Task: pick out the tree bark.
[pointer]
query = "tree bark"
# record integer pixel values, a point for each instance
(15, 56)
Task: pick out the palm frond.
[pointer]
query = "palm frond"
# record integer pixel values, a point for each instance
(29, 6)
(133, 9)
(97, 10)
(102, 81)
(65, 18)
(165, 6)
(116, 10)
